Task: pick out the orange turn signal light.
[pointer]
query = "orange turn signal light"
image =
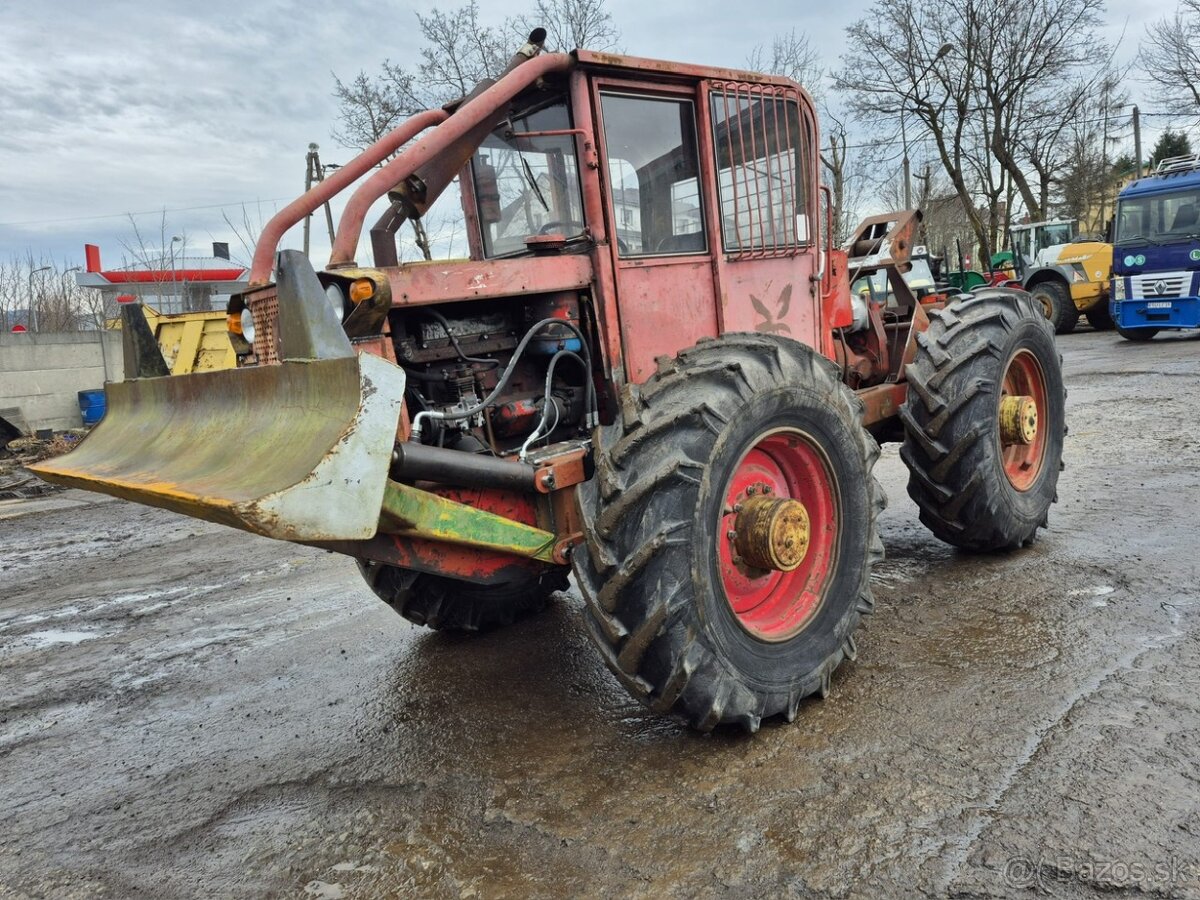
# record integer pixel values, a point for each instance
(233, 322)
(361, 289)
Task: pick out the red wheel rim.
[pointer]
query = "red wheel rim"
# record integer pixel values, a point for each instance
(776, 605)
(1023, 377)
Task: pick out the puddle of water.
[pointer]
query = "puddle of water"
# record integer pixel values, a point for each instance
(37, 618)
(1096, 590)
(38, 640)
(893, 572)
(323, 890)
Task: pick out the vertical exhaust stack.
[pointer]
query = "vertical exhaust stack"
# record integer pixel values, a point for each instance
(413, 196)
(531, 48)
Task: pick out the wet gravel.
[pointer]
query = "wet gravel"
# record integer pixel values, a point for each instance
(189, 711)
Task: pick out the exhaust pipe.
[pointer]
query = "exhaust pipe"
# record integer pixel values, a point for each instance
(413, 196)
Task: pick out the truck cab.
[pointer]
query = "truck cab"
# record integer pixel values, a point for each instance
(1156, 251)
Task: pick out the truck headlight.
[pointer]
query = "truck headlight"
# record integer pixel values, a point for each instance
(1118, 289)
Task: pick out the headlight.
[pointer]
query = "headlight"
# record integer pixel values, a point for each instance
(337, 300)
(1118, 289)
(248, 325)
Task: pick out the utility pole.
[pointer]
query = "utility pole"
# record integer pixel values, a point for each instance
(314, 172)
(1137, 139)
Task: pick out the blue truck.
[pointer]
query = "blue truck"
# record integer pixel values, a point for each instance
(1156, 251)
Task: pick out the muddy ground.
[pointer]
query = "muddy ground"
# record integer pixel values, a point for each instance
(189, 711)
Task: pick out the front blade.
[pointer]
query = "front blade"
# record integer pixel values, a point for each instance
(298, 451)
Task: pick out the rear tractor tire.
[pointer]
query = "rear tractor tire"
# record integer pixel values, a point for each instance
(1054, 299)
(730, 532)
(985, 421)
(448, 604)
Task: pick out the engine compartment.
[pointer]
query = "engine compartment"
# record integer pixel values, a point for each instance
(497, 376)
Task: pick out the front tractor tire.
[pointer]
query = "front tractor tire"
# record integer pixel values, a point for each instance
(730, 532)
(448, 604)
(984, 421)
(1054, 299)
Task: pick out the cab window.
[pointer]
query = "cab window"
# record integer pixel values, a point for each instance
(527, 183)
(653, 174)
(761, 172)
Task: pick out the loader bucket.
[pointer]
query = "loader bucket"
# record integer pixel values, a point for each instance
(297, 451)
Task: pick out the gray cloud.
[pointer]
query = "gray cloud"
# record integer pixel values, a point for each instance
(125, 106)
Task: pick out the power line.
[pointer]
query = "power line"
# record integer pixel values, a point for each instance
(147, 212)
(895, 141)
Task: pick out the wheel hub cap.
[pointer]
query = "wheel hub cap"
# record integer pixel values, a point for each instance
(777, 543)
(772, 533)
(1018, 420)
(1023, 419)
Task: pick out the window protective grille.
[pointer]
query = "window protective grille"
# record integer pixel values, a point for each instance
(761, 171)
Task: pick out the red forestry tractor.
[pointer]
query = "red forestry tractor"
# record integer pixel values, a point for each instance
(651, 370)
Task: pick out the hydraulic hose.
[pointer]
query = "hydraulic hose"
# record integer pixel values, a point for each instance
(443, 416)
(548, 399)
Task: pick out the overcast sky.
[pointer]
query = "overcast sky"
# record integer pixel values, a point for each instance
(206, 109)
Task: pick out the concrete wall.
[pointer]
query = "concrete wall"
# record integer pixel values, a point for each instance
(41, 374)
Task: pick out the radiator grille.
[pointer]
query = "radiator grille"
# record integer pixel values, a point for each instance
(1151, 285)
(264, 307)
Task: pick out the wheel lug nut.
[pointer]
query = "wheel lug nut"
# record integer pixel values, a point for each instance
(732, 535)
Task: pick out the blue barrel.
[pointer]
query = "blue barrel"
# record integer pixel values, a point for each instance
(92, 405)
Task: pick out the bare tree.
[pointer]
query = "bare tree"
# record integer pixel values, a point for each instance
(460, 49)
(1027, 49)
(246, 232)
(571, 24)
(1045, 136)
(974, 78)
(1170, 57)
(12, 295)
(368, 108)
(791, 55)
(41, 295)
(898, 73)
(163, 255)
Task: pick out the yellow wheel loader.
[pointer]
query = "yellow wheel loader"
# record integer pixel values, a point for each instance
(1068, 273)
